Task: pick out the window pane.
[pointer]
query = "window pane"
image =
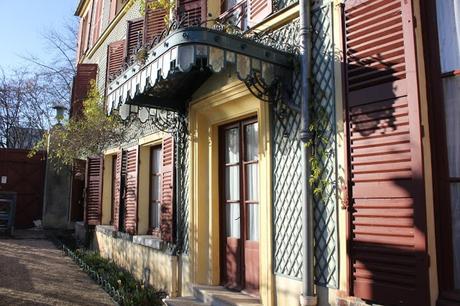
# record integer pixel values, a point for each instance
(455, 207)
(232, 180)
(448, 12)
(252, 141)
(232, 221)
(452, 111)
(253, 222)
(155, 192)
(155, 215)
(232, 146)
(156, 160)
(252, 182)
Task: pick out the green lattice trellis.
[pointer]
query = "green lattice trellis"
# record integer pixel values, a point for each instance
(287, 165)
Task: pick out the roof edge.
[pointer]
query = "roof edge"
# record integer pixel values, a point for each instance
(80, 7)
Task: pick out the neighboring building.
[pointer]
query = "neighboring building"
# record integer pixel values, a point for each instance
(207, 190)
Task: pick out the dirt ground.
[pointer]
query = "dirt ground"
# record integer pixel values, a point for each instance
(34, 272)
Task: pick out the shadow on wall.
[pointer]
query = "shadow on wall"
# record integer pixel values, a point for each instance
(386, 242)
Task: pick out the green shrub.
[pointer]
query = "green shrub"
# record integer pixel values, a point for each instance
(133, 291)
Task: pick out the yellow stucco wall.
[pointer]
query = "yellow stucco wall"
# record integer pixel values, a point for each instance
(162, 269)
(427, 171)
(143, 185)
(107, 190)
(229, 103)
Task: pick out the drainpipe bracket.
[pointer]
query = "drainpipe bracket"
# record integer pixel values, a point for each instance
(306, 300)
(304, 135)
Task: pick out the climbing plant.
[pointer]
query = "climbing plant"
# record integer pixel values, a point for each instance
(318, 145)
(82, 136)
(167, 5)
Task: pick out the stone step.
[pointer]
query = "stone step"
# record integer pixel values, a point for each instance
(220, 296)
(185, 301)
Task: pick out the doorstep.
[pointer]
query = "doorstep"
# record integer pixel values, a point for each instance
(215, 296)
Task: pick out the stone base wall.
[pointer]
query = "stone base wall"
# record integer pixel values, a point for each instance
(142, 256)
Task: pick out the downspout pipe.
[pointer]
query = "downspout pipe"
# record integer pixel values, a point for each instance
(307, 297)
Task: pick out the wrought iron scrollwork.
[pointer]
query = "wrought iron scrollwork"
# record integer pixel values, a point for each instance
(166, 121)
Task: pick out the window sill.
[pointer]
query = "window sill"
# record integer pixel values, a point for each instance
(149, 241)
(108, 230)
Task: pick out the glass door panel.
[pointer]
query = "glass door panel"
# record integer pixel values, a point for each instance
(232, 186)
(252, 141)
(253, 222)
(232, 220)
(252, 182)
(232, 146)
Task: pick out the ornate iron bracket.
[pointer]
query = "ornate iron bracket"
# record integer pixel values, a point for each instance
(279, 92)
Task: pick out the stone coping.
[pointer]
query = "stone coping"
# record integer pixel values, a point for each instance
(144, 240)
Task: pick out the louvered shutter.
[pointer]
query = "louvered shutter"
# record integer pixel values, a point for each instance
(258, 10)
(154, 23)
(113, 9)
(387, 207)
(117, 191)
(134, 37)
(84, 35)
(115, 58)
(94, 168)
(79, 41)
(167, 190)
(81, 86)
(194, 11)
(98, 18)
(131, 190)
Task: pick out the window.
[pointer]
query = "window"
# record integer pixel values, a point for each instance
(448, 12)
(235, 13)
(84, 35)
(155, 190)
(448, 19)
(115, 7)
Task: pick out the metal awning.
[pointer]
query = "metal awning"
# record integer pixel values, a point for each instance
(178, 65)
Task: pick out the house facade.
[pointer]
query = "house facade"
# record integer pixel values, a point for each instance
(206, 190)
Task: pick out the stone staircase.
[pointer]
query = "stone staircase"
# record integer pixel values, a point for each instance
(214, 296)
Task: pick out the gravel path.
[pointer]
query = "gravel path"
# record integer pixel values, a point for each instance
(34, 272)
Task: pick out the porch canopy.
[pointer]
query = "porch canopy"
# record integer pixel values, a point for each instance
(179, 64)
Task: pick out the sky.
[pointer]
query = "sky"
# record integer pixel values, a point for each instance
(22, 23)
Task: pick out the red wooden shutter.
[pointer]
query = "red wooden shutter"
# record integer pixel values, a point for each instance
(79, 41)
(81, 86)
(131, 191)
(134, 37)
(167, 190)
(84, 35)
(94, 168)
(117, 190)
(258, 11)
(98, 18)
(194, 11)
(154, 23)
(115, 58)
(387, 207)
(113, 9)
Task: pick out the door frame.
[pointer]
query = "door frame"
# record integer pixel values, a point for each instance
(207, 112)
(440, 168)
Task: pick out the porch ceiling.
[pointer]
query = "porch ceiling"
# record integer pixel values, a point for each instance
(179, 64)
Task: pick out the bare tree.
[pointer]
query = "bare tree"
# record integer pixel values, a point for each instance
(27, 95)
(25, 110)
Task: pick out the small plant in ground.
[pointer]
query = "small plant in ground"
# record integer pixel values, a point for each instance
(133, 291)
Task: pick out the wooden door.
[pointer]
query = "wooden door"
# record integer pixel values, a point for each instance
(240, 206)
(387, 240)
